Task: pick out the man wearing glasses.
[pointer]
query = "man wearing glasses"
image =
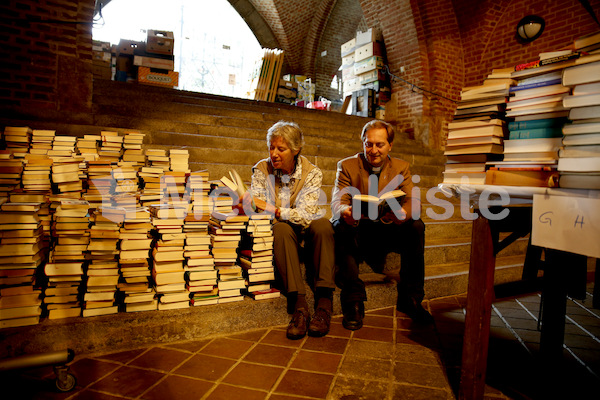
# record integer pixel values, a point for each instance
(370, 237)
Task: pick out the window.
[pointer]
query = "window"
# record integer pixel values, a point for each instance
(215, 51)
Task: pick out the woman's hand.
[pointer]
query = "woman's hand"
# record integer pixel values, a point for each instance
(261, 205)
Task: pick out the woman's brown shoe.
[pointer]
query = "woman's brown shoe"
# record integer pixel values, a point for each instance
(298, 325)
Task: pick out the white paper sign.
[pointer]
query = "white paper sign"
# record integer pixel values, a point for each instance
(567, 223)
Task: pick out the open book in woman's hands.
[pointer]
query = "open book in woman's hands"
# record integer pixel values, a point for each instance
(374, 207)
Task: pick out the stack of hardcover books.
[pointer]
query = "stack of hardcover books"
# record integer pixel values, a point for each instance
(579, 159)
(111, 146)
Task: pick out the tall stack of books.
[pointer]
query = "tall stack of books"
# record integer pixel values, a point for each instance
(22, 251)
(167, 257)
(172, 185)
(62, 146)
(579, 159)
(477, 131)
(126, 187)
(225, 231)
(103, 268)
(256, 257)
(536, 104)
(17, 139)
(135, 242)
(111, 146)
(70, 235)
(197, 241)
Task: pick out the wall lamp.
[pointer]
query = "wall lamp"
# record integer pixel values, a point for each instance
(530, 28)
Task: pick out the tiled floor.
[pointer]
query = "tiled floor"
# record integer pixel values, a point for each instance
(389, 358)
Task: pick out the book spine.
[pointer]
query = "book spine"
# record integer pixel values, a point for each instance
(536, 124)
(550, 132)
(548, 61)
(535, 85)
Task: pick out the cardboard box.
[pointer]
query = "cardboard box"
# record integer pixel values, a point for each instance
(127, 46)
(348, 47)
(154, 62)
(352, 85)
(288, 84)
(161, 42)
(368, 64)
(371, 35)
(348, 74)
(348, 60)
(158, 77)
(369, 50)
(363, 103)
(372, 76)
(100, 46)
(104, 56)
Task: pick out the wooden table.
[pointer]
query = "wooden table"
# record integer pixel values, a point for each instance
(485, 244)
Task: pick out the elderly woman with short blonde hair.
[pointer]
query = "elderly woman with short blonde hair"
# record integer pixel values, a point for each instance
(289, 186)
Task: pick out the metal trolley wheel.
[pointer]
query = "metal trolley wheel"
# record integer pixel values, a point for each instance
(65, 381)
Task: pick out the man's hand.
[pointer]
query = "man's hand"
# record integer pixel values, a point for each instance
(390, 217)
(347, 216)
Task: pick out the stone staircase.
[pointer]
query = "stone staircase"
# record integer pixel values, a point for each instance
(224, 133)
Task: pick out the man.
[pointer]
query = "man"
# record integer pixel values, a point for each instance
(358, 238)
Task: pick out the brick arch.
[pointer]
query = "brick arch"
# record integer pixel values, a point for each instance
(315, 34)
(256, 23)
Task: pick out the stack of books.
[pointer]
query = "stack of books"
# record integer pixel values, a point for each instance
(197, 240)
(61, 296)
(135, 242)
(22, 251)
(11, 170)
(36, 173)
(87, 147)
(225, 231)
(256, 257)
(133, 152)
(179, 160)
(158, 158)
(65, 174)
(477, 131)
(41, 141)
(100, 184)
(151, 185)
(111, 146)
(103, 253)
(468, 166)
(62, 146)
(167, 256)
(126, 190)
(579, 159)
(17, 139)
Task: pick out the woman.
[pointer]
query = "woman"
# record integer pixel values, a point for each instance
(288, 185)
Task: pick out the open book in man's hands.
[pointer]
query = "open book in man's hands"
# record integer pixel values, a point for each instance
(382, 204)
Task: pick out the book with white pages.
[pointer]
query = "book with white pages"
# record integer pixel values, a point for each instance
(528, 145)
(579, 164)
(579, 140)
(577, 129)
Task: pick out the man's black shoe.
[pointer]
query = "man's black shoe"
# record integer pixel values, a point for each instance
(353, 315)
(414, 310)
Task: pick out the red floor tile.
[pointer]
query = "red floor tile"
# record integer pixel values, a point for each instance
(206, 367)
(178, 387)
(228, 392)
(378, 321)
(252, 336)
(277, 337)
(377, 334)
(89, 394)
(255, 376)
(160, 358)
(328, 344)
(128, 381)
(305, 384)
(88, 370)
(271, 355)
(192, 346)
(317, 362)
(226, 347)
(123, 356)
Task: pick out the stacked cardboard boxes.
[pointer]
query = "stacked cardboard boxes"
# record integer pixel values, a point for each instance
(363, 77)
(156, 63)
(101, 60)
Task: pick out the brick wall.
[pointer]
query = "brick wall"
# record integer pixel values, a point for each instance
(46, 58)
